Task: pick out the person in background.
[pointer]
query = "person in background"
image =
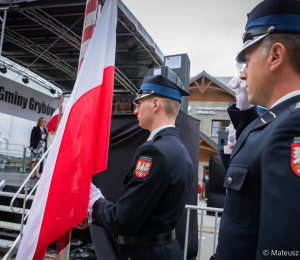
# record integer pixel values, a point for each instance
(206, 185)
(38, 145)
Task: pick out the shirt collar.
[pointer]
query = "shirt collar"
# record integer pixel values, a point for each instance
(154, 132)
(289, 95)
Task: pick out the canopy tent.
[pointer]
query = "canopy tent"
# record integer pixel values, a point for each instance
(33, 25)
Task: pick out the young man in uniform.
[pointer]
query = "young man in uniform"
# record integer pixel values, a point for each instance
(260, 219)
(158, 184)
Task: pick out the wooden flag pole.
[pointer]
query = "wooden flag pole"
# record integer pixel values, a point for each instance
(64, 242)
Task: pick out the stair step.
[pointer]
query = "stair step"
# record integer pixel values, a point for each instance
(11, 194)
(5, 243)
(7, 234)
(8, 209)
(10, 225)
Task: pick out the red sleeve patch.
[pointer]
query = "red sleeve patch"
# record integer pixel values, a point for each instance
(143, 167)
(295, 156)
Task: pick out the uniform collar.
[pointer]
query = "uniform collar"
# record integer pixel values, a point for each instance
(157, 130)
(277, 109)
(289, 95)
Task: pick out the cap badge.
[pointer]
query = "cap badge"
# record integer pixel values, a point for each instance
(295, 156)
(143, 167)
(271, 29)
(297, 105)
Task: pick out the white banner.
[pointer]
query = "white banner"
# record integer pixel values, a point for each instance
(21, 101)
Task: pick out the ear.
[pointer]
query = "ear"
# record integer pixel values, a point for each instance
(277, 56)
(156, 104)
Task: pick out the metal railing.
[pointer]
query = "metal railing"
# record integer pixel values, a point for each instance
(25, 183)
(13, 157)
(189, 207)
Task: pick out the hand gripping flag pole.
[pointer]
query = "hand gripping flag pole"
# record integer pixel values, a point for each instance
(64, 242)
(80, 147)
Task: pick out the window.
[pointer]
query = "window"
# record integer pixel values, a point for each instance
(218, 125)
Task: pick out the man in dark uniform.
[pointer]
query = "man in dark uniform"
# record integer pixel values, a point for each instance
(158, 184)
(261, 214)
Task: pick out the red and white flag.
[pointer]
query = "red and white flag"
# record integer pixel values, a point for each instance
(52, 124)
(80, 147)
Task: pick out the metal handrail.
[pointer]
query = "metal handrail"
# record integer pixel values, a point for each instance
(26, 181)
(189, 207)
(6, 142)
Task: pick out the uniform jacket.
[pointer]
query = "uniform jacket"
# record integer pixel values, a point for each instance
(36, 137)
(263, 195)
(153, 204)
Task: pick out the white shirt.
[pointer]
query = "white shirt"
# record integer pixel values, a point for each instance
(154, 132)
(287, 96)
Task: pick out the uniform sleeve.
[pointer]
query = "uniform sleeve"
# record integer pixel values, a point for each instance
(139, 198)
(225, 159)
(280, 190)
(241, 118)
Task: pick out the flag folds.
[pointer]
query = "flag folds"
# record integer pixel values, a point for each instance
(80, 147)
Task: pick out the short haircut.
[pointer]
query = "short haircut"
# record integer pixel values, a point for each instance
(171, 106)
(291, 42)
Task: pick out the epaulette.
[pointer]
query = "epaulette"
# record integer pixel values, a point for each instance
(265, 118)
(295, 107)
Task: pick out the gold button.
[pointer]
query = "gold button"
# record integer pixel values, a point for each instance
(229, 180)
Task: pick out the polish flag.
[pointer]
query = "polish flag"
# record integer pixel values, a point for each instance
(80, 147)
(52, 124)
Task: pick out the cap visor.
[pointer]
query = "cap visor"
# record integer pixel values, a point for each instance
(240, 57)
(141, 96)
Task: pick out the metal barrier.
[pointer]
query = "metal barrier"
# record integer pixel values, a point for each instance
(189, 207)
(13, 157)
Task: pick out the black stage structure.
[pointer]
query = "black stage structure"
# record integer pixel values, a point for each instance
(33, 25)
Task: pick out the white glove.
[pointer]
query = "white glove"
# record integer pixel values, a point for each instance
(95, 194)
(231, 139)
(239, 85)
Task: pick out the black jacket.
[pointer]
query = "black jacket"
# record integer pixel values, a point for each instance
(151, 204)
(263, 190)
(36, 137)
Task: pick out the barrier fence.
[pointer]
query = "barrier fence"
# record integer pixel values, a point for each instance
(191, 207)
(14, 157)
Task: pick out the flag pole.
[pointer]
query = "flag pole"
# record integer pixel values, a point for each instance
(64, 242)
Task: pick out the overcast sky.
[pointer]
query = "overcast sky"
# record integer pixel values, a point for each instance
(209, 31)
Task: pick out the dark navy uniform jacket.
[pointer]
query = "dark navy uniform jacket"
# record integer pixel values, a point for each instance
(153, 204)
(262, 206)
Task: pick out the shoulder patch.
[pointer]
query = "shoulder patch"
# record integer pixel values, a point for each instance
(143, 166)
(295, 155)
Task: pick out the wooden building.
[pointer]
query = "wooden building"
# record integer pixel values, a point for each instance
(209, 100)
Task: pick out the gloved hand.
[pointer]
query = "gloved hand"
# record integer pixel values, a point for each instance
(95, 194)
(231, 139)
(239, 85)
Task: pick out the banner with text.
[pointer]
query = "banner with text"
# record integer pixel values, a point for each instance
(21, 101)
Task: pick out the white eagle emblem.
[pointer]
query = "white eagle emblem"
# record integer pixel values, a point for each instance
(142, 168)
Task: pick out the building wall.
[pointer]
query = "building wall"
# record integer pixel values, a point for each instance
(206, 120)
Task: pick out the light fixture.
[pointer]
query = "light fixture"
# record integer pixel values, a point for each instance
(52, 91)
(3, 68)
(25, 79)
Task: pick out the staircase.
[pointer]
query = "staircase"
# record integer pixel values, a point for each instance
(9, 238)
(11, 232)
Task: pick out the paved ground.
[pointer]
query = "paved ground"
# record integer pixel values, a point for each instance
(207, 239)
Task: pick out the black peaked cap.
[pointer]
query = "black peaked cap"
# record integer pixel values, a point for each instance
(163, 81)
(269, 7)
